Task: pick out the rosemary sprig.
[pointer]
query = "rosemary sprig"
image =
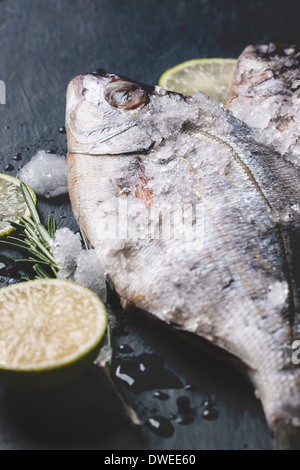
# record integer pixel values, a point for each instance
(34, 239)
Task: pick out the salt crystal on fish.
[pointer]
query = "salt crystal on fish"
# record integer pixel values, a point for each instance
(89, 273)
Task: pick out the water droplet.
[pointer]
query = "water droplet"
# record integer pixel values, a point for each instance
(125, 349)
(143, 412)
(124, 377)
(172, 416)
(119, 331)
(161, 395)
(153, 410)
(62, 130)
(187, 413)
(9, 167)
(191, 387)
(17, 157)
(145, 372)
(210, 414)
(184, 404)
(99, 72)
(207, 403)
(51, 151)
(184, 420)
(6, 128)
(160, 426)
(7, 267)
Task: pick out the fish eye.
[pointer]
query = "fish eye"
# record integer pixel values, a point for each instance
(125, 95)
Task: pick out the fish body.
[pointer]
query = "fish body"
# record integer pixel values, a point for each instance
(264, 94)
(193, 221)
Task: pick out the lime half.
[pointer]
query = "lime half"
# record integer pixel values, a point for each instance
(12, 203)
(212, 76)
(50, 330)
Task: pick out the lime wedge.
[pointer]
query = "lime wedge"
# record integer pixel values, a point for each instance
(12, 203)
(50, 330)
(212, 76)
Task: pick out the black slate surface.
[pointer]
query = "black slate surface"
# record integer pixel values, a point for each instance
(43, 44)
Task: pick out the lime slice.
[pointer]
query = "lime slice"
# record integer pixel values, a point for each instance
(50, 330)
(212, 76)
(12, 203)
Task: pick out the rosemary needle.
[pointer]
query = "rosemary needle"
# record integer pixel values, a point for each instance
(34, 239)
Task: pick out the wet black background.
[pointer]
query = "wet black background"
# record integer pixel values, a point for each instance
(43, 44)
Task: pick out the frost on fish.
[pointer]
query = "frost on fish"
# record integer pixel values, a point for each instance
(46, 174)
(76, 264)
(191, 219)
(263, 95)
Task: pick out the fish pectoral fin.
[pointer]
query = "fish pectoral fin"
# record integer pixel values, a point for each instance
(85, 239)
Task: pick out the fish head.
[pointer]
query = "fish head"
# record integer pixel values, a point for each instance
(110, 114)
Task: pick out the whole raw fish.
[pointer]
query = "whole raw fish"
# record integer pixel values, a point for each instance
(193, 221)
(264, 94)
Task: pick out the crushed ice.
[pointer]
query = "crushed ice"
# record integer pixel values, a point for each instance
(269, 106)
(77, 264)
(278, 293)
(46, 174)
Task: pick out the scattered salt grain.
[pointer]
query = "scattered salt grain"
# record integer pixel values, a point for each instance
(66, 248)
(76, 264)
(46, 174)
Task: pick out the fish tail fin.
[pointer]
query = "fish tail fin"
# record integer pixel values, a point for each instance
(283, 416)
(286, 435)
(281, 402)
(85, 239)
